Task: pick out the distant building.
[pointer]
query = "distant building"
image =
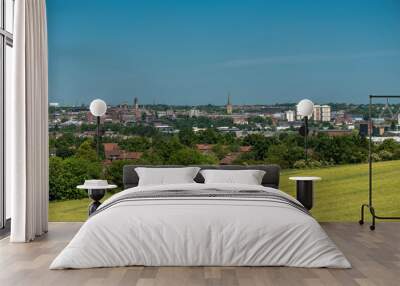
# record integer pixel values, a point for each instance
(230, 158)
(378, 131)
(71, 122)
(165, 128)
(382, 139)
(336, 132)
(240, 120)
(326, 113)
(197, 129)
(317, 113)
(290, 115)
(194, 112)
(136, 110)
(128, 118)
(278, 116)
(161, 114)
(356, 117)
(322, 113)
(205, 148)
(340, 118)
(364, 128)
(170, 113)
(229, 107)
(113, 152)
(226, 129)
(167, 113)
(124, 106)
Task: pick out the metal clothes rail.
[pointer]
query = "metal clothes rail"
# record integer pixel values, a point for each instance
(370, 201)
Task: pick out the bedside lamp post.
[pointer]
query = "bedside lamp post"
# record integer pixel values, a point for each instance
(305, 108)
(98, 108)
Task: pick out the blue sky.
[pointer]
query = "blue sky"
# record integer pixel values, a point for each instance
(195, 52)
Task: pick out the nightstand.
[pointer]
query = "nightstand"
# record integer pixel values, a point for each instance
(96, 190)
(305, 190)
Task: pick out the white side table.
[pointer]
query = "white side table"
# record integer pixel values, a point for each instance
(96, 190)
(305, 190)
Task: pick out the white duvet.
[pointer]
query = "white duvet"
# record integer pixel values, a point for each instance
(200, 231)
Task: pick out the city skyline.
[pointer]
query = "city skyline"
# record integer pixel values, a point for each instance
(262, 52)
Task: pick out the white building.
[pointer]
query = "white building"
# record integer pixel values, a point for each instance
(197, 129)
(194, 112)
(278, 115)
(240, 120)
(161, 114)
(290, 115)
(322, 113)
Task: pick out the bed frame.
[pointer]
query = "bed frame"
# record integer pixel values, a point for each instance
(270, 179)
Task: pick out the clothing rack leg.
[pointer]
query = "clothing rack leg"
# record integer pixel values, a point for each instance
(372, 226)
(361, 221)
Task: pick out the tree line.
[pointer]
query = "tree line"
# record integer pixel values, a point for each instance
(74, 159)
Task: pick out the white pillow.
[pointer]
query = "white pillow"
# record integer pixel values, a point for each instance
(248, 177)
(166, 176)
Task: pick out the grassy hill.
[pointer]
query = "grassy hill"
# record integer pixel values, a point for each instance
(344, 188)
(337, 197)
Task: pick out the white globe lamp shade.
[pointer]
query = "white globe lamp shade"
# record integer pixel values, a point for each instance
(98, 107)
(305, 107)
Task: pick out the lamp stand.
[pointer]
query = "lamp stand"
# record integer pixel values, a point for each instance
(98, 136)
(305, 138)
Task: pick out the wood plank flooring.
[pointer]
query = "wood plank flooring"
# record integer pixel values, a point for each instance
(375, 257)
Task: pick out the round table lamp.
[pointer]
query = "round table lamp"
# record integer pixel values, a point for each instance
(98, 107)
(305, 107)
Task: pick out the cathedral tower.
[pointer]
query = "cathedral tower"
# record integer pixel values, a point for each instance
(229, 107)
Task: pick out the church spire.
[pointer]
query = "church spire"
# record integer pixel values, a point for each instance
(229, 107)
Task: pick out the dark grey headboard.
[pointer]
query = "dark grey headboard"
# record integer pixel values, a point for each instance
(271, 178)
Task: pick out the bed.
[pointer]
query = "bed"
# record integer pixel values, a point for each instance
(201, 224)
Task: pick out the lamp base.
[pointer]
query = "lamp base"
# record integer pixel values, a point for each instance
(96, 196)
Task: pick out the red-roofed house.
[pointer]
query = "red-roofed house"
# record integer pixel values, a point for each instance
(113, 152)
(205, 148)
(244, 149)
(231, 157)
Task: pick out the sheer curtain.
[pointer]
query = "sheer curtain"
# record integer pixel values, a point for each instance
(27, 124)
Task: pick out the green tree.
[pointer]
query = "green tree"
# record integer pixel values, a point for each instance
(66, 174)
(188, 156)
(187, 136)
(114, 172)
(260, 145)
(220, 151)
(66, 145)
(284, 155)
(163, 148)
(208, 136)
(87, 151)
(135, 144)
(151, 157)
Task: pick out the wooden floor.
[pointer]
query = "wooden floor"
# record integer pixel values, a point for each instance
(375, 257)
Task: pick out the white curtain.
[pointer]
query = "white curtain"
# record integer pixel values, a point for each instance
(27, 123)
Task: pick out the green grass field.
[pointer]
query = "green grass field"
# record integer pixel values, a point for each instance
(337, 197)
